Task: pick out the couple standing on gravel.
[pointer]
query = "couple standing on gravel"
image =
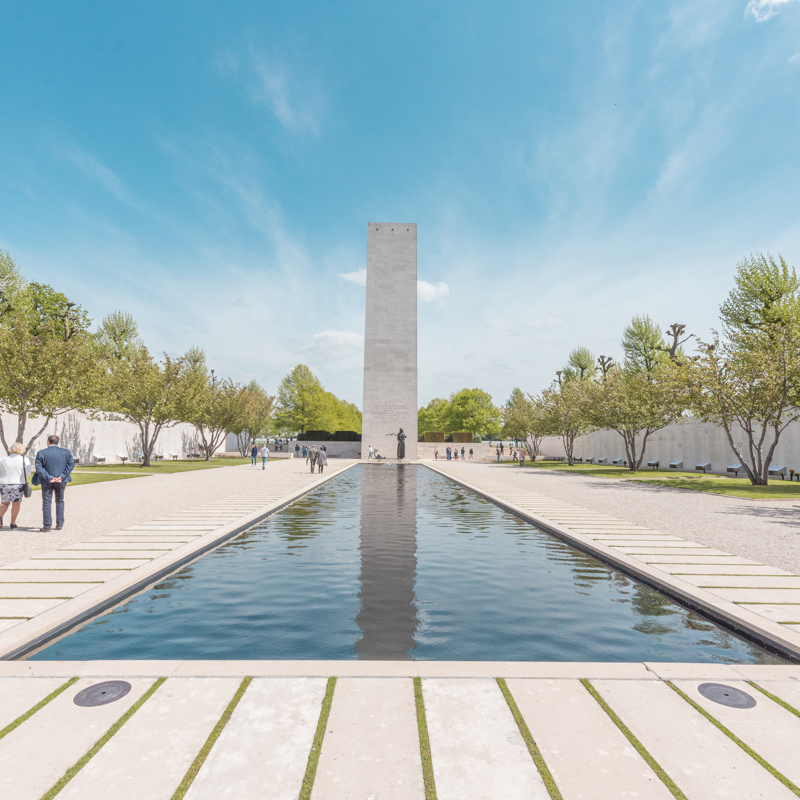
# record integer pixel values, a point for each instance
(53, 467)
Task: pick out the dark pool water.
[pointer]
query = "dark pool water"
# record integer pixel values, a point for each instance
(388, 562)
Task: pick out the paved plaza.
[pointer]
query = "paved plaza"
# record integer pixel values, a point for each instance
(383, 729)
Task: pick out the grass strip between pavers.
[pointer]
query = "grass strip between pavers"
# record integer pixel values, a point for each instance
(775, 699)
(95, 748)
(734, 738)
(191, 773)
(637, 745)
(31, 711)
(533, 748)
(424, 742)
(316, 745)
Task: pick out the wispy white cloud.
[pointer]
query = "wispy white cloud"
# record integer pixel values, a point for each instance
(334, 344)
(102, 175)
(358, 277)
(762, 10)
(295, 103)
(795, 59)
(432, 292)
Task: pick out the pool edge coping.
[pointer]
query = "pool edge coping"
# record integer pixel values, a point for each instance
(753, 626)
(22, 639)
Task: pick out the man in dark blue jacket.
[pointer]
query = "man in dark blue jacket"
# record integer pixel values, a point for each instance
(53, 467)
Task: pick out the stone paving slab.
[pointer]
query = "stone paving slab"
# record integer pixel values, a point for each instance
(61, 590)
(37, 753)
(17, 695)
(371, 742)
(26, 607)
(701, 759)
(789, 614)
(264, 749)
(567, 724)
(152, 752)
(476, 747)
(766, 728)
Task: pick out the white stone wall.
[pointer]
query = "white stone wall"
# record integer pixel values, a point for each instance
(87, 438)
(691, 441)
(390, 343)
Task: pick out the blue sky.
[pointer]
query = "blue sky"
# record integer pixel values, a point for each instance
(212, 167)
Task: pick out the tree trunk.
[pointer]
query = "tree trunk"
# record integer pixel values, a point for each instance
(569, 443)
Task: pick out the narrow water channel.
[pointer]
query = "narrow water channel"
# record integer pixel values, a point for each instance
(388, 562)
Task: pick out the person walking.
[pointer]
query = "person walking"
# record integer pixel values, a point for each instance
(297, 450)
(435, 453)
(13, 480)
(371, 453)
(312, 457)
(448, 452)
(497, 452)
(322, 459)
(470, 454)
(53, 467)
(264, 456)
(254, 455)
(462, 454)
(521, 455)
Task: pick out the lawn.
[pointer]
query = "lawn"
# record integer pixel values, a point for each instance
(165, 467)
(676, 479)
(81, 478)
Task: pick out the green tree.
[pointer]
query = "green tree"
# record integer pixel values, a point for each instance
(433, 417)
(300, 401)
(211, 404)
(525, 418)
(748, 379)
(253, 416)
(581, 364)
(643, 344)
(473, 410)
(136, 387)
(48, 359)
(565, 412)
(636, 403)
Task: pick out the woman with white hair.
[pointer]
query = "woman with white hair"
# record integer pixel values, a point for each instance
(13, 477)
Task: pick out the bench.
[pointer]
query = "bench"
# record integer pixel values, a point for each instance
(794, 474)
(602, 461)
(618, 462)
(122, 458)
(704, 466)
(777, 471)
(589, 460)
(577, 460)
(99, 459)
(734, 468)
(173, 456)
(158, 456)
(676, 464)
(653, 464)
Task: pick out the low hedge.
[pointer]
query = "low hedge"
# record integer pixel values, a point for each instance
(434, 436)
(463, 437)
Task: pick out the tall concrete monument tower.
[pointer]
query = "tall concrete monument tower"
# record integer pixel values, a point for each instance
(390, 340)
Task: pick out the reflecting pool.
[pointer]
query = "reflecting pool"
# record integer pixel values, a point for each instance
(399, 562)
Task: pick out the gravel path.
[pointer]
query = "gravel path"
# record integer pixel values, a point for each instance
(99, 508)
(767, 531)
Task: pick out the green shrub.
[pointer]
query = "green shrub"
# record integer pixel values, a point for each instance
(463, 437)
(434, 436)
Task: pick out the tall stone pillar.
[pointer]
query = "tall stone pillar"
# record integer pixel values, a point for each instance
(390, 340)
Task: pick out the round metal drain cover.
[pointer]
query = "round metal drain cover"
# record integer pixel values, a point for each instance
(102, 693)
(726, 695)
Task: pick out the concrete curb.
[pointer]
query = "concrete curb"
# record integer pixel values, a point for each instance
(771, 635)
(22, 639)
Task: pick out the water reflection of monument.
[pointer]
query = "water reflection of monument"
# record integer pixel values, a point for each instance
(388, 546)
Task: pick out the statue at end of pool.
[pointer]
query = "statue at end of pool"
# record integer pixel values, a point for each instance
(401, 443)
